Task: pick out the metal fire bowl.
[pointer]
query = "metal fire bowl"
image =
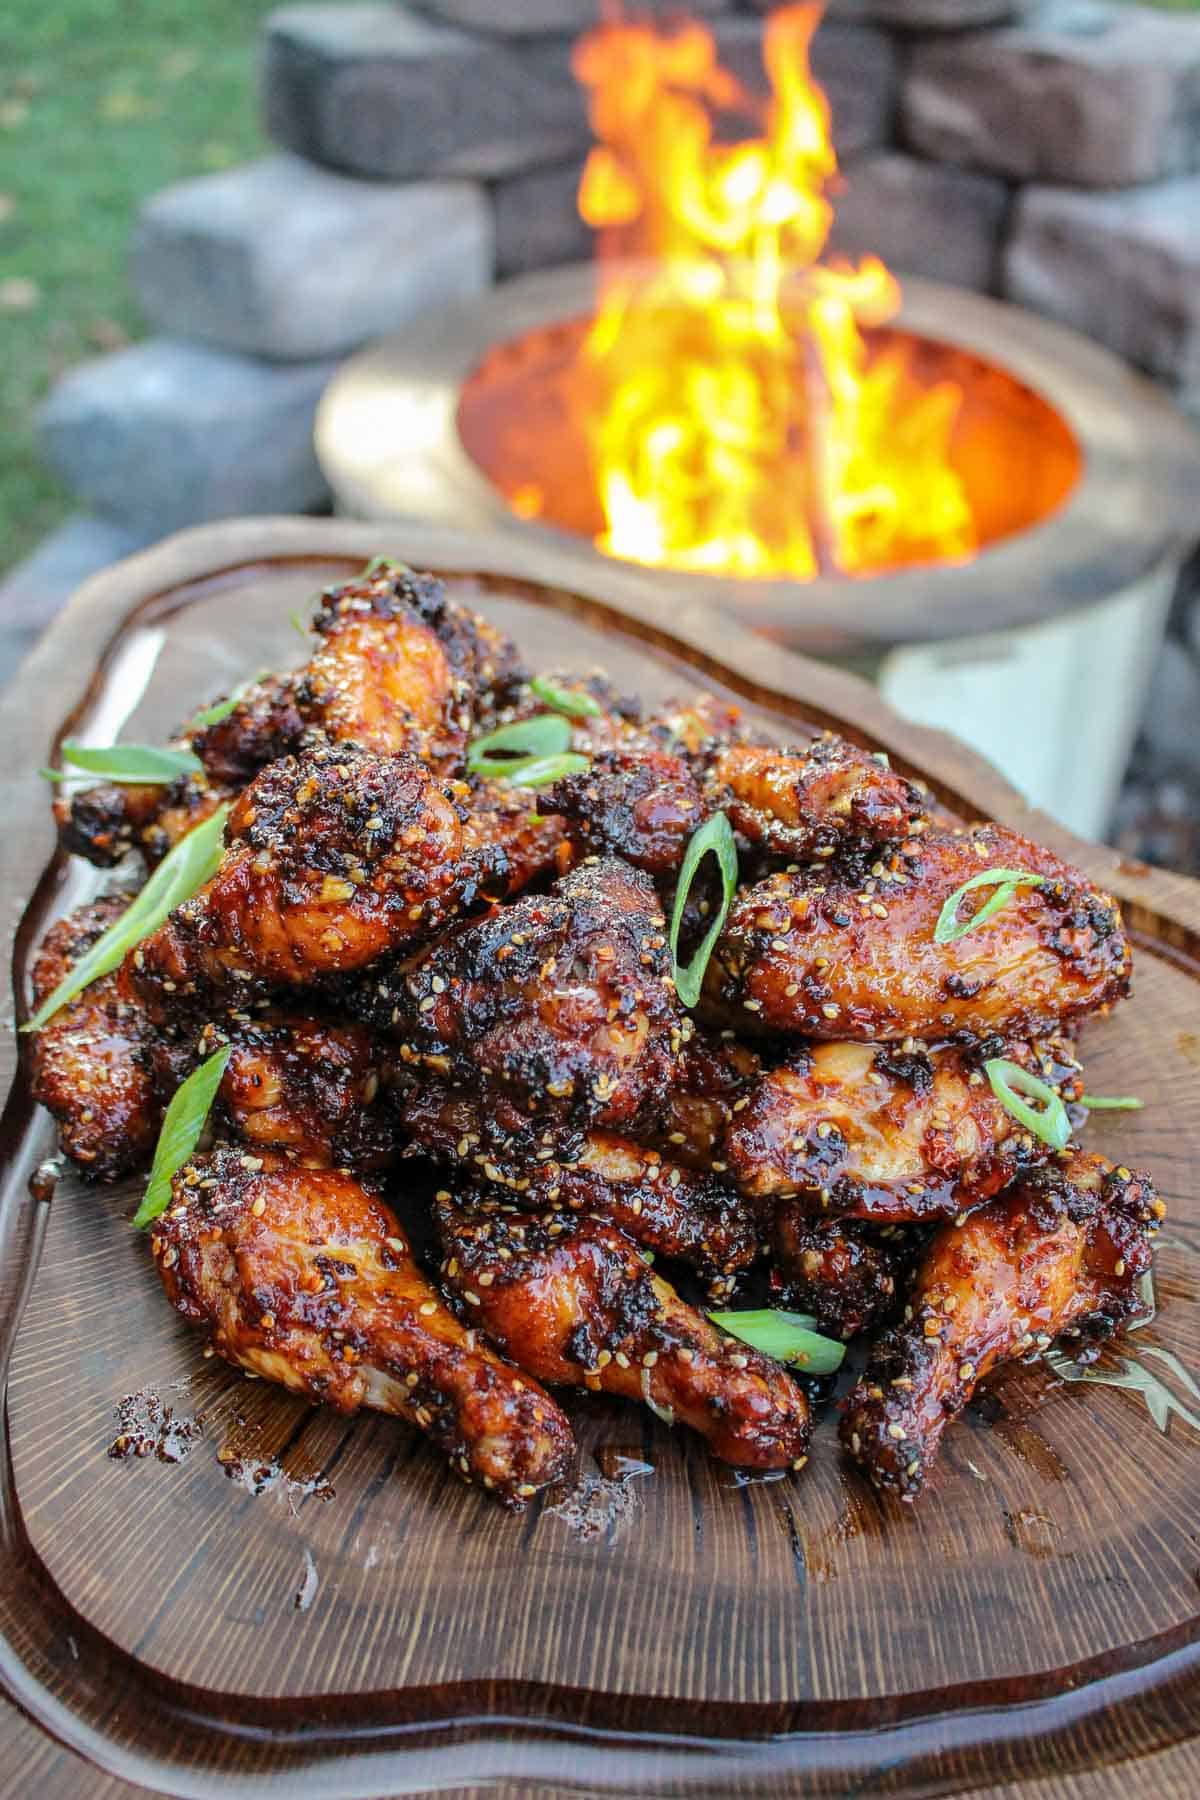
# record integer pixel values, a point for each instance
(388, 441)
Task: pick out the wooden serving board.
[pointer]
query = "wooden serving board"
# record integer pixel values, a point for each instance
(364, 1625)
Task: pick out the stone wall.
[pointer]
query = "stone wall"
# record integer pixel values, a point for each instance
(1048, 152)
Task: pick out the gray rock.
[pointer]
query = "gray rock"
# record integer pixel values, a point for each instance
(857, 68)
(280, 258)
(1122, 266)
(378, 91)
(1083, 92)
(528, 18)
(537, 220)
(919, 15)
(167, 434)
(34, 590)
(923, 219)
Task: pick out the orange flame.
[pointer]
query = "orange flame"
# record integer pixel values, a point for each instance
(738, 421)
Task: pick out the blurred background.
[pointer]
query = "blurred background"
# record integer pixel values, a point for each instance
(205, 208)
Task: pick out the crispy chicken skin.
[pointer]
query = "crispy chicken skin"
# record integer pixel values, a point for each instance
(671, 1210)
(302, 1277)
(1063, 1251)
(88, 1063)
(511, 820)
(572, 1301)
(104, 823)
(564, 1000)
(845, 1274)
(877, 1132)
(334, 859)
(642, 805)
(401, 668)
(306, 1087)
(841, 958)
(715, 1075)
(264, 724)
(812, 799)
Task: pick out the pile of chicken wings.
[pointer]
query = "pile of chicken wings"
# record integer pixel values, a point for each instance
(448, 994)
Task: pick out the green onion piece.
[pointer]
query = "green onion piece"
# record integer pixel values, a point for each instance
(715, 836)
(788, 1337)
(297, 624)
(493, 753)
(186, 867)
(213, 715)
(378, 563)
(182, 1124)
(133, 765)
(1118, 1103)
(564, 700)
(1006, 882)
(539, 771)
(1009, 1081)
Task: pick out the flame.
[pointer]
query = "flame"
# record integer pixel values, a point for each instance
(737, 418)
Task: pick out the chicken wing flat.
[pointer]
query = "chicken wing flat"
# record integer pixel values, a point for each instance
(811, 800)
(302, 1277)
(1063, 1251)
(846, 1274)
(571, 1300)
(88, 1063)
(334, 859)
(696, 1110)
(668, 1209)
(105, 823)
(639, 804)
(857, 959)
(876, 1132)
(501, 818)
(562, 1000)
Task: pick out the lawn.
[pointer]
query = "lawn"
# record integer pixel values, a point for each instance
(102, 102)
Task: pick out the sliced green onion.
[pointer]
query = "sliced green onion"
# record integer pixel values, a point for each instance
(133, 765)
(715, 836)
(564, 700)
(788, 1337)
(379, 563)
(1006, 882)
(186, 867)
(213, 715)
(297, 624)
(182, 1124)
(1009, 1081)
(1118, 1103)
(493, 753)
(539, 771)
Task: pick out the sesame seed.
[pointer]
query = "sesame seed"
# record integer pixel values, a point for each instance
(259, 1207)
(896, 1431)
(428, 1307)
(170, 1257)
(830, 1011)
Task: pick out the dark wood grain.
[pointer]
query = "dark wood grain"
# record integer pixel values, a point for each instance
(1037, 1612)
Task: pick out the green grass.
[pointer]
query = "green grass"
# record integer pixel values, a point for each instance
(102, 102)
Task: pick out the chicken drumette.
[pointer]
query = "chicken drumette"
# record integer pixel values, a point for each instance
(572, 1301)
(303, 1277)
(1064, 1250)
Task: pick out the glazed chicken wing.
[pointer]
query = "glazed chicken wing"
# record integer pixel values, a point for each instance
(810, 801)
(876, 1132)
(848, 959)
(88, 1061)
(642, 805)
(510, 820)
(844, 1273)
(300, 1276)
(1064, 1250)
(335, 858)
(716, 1074)
(563, 1000)
(571, 1300)
(672, 1210)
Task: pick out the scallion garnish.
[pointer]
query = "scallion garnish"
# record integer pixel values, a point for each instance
(495, 753)
(297, 624)
(788, 1337)
(1115, 1103)
(575, 704)
(540, 771)
(133, 765)
(213, 715)
(1006, 882)
(1009, 1081)
(186, 867)
(182, 1124)
(715, 836)
(378, 563)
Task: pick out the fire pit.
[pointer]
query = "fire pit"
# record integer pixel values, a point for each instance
(984, 511)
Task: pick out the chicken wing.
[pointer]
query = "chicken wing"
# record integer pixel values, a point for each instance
(88, 1064)
(642, 805)
(563, 1000)
(334, 859)
(533, 842)
(1064, 1250)
(571, 1300)
(845, 959)
(301, 1276)
(845, 1274)
(105, 823)
(672, 1210)
(696, 1110)
(811, 800)
(877, 1132)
